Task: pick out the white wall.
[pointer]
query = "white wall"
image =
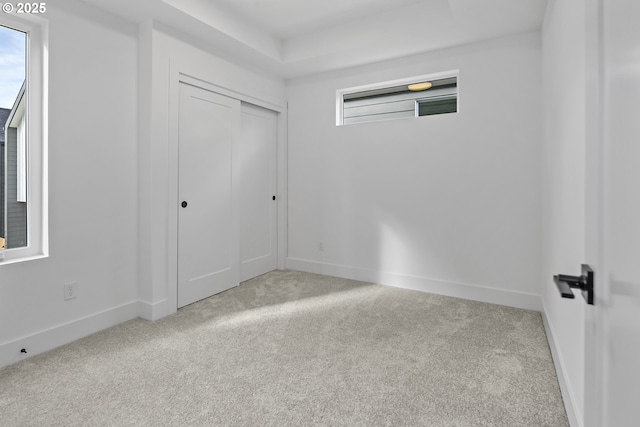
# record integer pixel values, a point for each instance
(564, 84)
(92, 189)
(447, 203)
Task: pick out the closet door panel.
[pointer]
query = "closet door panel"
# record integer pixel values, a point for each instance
(207, 207)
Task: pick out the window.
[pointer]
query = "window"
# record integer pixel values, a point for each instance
(414, 97)
(23, 220)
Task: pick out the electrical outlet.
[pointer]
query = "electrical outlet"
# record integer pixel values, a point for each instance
(320, 246)
(70, 291)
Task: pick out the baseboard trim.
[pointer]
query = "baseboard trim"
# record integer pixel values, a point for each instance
(154, 311)
(424, 284)
(56, 336)
(575, 419)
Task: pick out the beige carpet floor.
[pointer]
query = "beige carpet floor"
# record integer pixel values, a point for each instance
(291, 348)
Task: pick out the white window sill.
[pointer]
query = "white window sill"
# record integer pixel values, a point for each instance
(7, 261)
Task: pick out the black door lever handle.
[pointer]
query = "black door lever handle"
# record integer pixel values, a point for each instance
(565, 283)
(563, 287)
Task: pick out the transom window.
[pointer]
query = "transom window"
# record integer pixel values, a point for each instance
(415, 97)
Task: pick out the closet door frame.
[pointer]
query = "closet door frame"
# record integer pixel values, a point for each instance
(177, 76)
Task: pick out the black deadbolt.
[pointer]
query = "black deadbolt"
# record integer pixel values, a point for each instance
(184, 204)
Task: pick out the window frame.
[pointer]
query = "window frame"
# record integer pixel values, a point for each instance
(36, 114)
(340, 93)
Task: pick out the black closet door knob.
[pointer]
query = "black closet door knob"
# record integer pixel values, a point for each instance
(184, 204)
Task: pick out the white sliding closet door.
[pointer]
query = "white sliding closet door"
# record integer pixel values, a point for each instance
(208, 249)
(257, 187)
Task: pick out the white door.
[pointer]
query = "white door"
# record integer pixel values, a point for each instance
(207, 209)
(257, 191)
(612, 354)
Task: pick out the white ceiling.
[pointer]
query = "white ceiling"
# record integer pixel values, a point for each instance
(290, 18)
(300, 37)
